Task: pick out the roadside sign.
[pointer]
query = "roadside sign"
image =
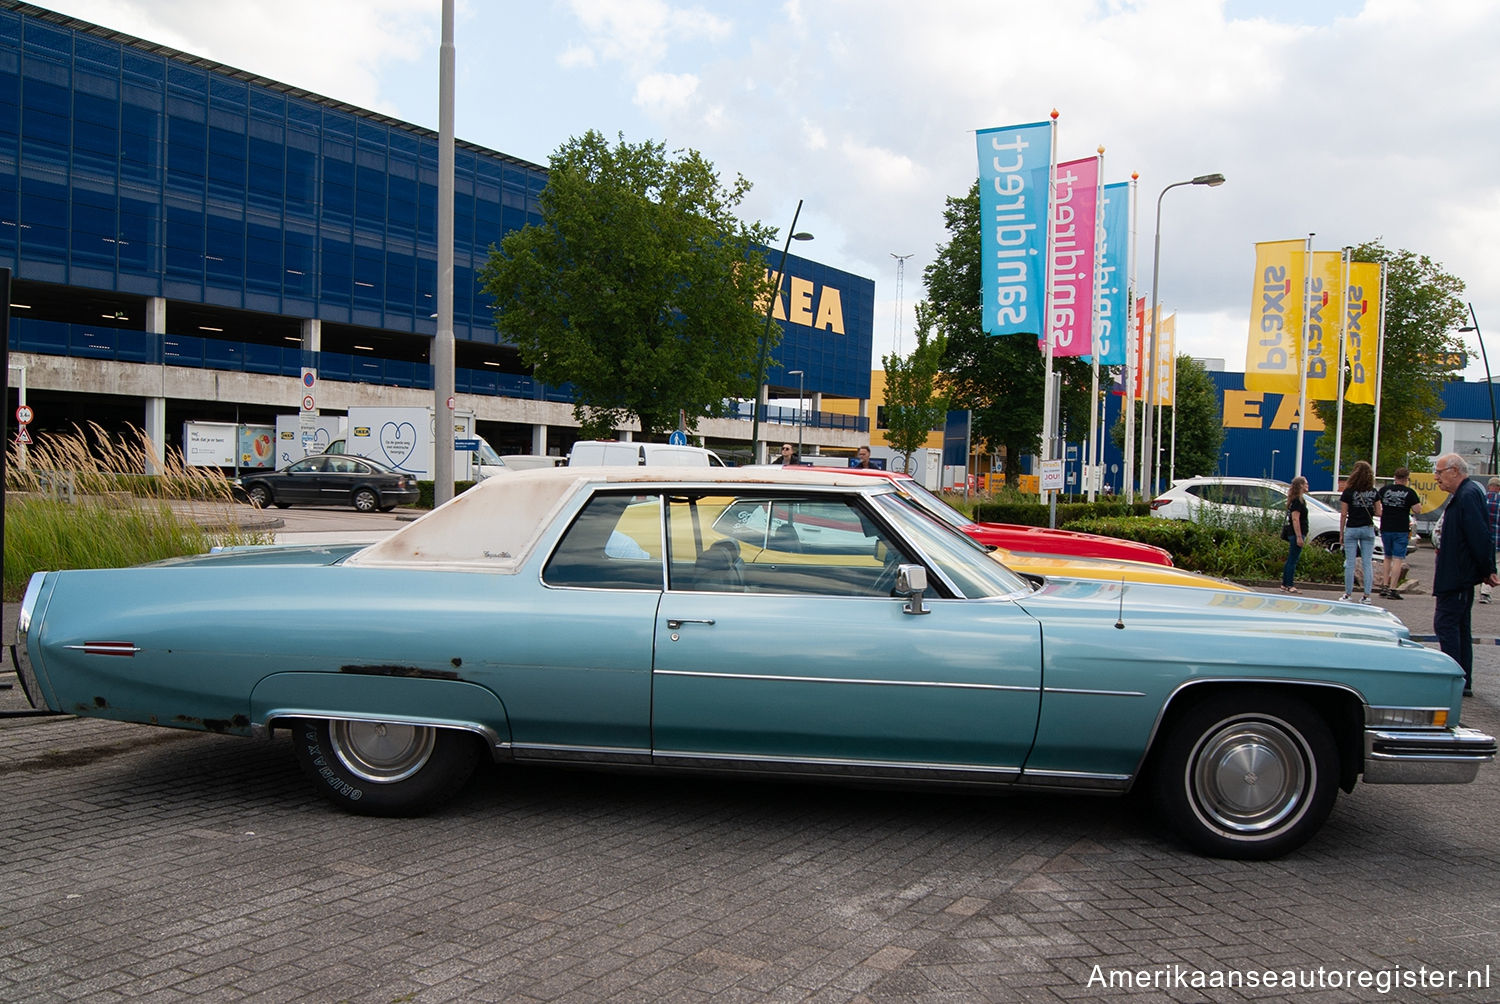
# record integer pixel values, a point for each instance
(1052, 476)
(24, 414)
(466, 445)
(23, 437)
(678, 438)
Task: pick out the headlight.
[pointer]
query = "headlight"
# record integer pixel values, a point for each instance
(1419, 718)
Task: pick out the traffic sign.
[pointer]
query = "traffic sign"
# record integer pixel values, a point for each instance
(23, 437)
(678, 438)
(308, 404)
(24, 414)
(466, 445)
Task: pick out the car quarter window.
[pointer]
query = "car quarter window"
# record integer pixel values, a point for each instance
(779, 543)
(613, 543)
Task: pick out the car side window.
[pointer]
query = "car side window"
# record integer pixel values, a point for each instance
(808, 545)
(614, 543)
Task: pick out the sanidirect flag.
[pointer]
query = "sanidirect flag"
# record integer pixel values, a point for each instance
(1075, 215)
(1361, 334)
(1324, 305)
(1111, 273)
(1014, 163)
(1273, 355)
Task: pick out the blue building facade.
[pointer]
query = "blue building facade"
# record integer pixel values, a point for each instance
(131, 172)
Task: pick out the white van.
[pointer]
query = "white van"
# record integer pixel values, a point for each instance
(614, 453)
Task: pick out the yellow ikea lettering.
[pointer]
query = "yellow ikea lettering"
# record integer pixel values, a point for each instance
(831, 311)
(1286, 416)
(1241, 409)
(799, 302)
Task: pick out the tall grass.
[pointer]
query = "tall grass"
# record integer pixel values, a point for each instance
(119, 515)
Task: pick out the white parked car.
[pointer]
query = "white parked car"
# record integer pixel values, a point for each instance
(1188, 497)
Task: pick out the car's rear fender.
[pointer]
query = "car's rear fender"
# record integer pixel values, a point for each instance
(384, 694)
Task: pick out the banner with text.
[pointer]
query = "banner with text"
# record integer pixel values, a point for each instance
(1014, 165)
(1142, 356)
(1361, 331)
(1273, 354)
(1166, 361)
(1075, 214)
(1324, 305)
(1112, 274)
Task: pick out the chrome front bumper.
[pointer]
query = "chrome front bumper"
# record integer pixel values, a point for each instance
(1425, 756)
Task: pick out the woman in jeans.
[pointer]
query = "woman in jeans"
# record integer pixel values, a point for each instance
(1294, 532)
(1359, 507)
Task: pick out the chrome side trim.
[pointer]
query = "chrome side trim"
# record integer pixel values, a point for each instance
(1094, 693)
(31, 685)
(263, 729)
(1447, 756)
(581, 754)
(1074, 779)
(773, 678)
(838, 767)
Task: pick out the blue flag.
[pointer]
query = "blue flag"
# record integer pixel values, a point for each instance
(1014, 163)
(1113, 275)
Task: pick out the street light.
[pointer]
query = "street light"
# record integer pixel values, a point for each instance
(1489, 382)
(765, 335)
(1273, 463)
(798, 374)
(1212, 181)
(1226, 465)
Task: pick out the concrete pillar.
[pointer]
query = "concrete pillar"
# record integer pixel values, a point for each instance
(154, 423)
(539, 439)
(312, 340)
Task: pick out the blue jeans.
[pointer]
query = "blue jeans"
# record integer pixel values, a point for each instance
(1359, 540)
(1452, 622)
(1294, 551)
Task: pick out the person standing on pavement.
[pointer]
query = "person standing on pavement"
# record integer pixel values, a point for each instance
(1465, 558)
(1398, 502)
(1359, 505)
(1294, 532)
(1492, 510)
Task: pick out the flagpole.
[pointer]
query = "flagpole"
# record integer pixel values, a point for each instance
(1302, 353)
(1128, 483)
(1338, 435)
(1093, 450)
(1379, 375)
(1049, 432)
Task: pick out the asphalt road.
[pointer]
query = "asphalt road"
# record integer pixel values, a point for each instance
(141, 862)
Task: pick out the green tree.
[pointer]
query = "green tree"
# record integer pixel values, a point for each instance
(1199, 434)
(639, 287)
(913, 406)
(999, 379)
(1423, 307)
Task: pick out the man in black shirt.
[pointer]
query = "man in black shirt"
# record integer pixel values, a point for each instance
(1398, 502)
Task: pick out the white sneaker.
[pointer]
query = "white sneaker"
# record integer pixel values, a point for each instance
(1484, 597)
(1345, 598)
(1366, 600)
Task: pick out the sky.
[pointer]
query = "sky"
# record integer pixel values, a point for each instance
(1350, 120)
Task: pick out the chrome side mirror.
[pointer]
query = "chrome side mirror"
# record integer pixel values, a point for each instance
(911, 580)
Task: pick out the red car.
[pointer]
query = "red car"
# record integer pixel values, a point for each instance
(1026, 539)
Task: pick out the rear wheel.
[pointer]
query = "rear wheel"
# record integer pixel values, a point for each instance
(1243, 776)
(1329, 542)
(384, 768)
(365, 500)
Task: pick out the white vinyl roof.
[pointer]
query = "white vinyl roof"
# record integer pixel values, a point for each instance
(494, 526)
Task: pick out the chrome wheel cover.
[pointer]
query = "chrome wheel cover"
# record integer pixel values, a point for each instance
(1250, 777)
(381, 752)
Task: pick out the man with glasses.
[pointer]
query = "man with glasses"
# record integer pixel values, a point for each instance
(1465, 559)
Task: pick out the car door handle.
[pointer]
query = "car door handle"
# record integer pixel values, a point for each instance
(673, 623)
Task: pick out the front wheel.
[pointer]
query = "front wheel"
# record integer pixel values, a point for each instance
(384, 768)
(259, 496)
(1247, 777)
(365, 500)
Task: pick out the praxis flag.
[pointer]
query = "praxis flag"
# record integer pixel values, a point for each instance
(1361, 334)
(1274, 351)
(1014, 163)
(1324, 305)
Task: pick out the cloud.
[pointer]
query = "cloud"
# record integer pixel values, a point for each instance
(665, 92)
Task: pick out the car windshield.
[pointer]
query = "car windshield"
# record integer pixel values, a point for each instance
(487, 455)
(931, 504)
(966, 563)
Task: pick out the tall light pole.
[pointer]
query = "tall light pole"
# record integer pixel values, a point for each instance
(442, 339)
(756, 456)
(1273, 463)
(799, 375)
(1489, 383)
(1212, 181)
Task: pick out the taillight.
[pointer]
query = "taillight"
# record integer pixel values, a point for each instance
(1158, 503)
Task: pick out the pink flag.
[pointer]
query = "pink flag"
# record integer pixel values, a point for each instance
(1075, 210)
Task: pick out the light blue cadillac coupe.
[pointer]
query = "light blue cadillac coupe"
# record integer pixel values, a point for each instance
(766, 622)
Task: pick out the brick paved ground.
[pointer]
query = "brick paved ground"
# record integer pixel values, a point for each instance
(137, 861)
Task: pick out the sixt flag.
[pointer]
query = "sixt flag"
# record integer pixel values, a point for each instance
(1014, 165)
(1361, 339)
(1272, 356)
(1111, 272)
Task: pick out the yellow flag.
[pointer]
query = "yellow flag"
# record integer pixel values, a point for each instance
(1273, 354)
(1166, 361)
(1361, 331)
(1324, 305)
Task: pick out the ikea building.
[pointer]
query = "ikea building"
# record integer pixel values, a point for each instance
(185, 238)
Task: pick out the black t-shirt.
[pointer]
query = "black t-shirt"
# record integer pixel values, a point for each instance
(1361, 507)
(1300, 508)
(1395, 508)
